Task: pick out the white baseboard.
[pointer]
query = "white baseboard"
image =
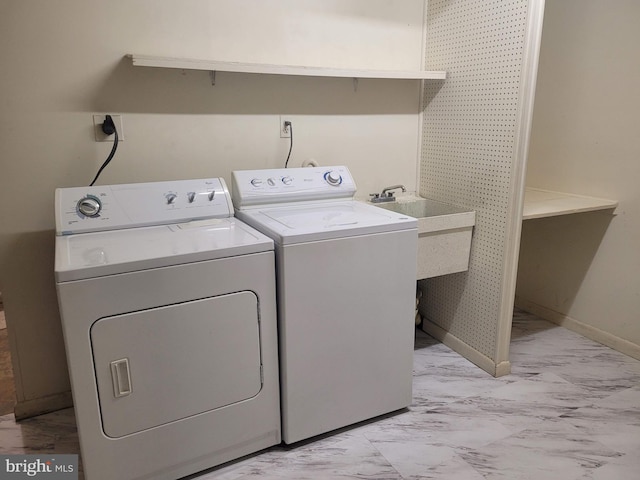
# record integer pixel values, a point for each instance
(593, 333)
(468, 352)
(39, 406)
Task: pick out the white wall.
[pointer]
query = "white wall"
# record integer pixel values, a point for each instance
(63, 61)
(583, 269)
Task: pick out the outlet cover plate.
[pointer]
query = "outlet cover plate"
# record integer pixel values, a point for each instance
(285, 132)
(100, 135)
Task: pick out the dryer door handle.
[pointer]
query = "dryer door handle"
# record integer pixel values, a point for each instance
(121, 378)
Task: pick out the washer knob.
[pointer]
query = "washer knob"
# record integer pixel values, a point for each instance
(191, 196)
(89, 206)
(287, 180)
(271, 181)
(333, 178)
(171, 197)
(256, 182)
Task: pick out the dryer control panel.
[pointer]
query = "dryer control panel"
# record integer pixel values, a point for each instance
(284, 185)
(111, 207)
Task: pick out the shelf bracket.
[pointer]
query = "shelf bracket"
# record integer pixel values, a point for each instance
(212, 76)
(355, 84)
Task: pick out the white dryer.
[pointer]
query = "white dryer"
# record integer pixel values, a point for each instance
(346, 296)
(169, 319)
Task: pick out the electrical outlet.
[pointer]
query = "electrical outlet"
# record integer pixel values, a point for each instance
(285, 130)
(98, 120)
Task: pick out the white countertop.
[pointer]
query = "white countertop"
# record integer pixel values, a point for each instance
(540, 203)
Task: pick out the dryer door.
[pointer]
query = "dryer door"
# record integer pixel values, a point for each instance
(164, 364)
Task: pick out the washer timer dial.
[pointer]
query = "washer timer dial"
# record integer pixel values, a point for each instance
(89, 206)
(333, 178)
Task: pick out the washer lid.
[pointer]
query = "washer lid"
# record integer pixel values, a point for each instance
(322, 221)
(98, 254)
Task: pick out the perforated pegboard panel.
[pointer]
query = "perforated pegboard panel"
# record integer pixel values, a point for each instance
(469, 129)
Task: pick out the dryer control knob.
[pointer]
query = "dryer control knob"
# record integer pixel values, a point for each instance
(333, 178)
(256, 182)
(89, 206)
(191, 196)
(171, 198)
(287, 180)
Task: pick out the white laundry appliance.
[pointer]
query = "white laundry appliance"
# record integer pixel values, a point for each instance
(169, 319)
(346, 296)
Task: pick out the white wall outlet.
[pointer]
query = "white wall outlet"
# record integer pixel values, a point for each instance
(100, 135)
(285, 130)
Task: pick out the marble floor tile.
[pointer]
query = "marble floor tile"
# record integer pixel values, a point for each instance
(543, 391)
(447, 384)
(552, 451)
(413, 459)
(616, 469)
(55, 432)
(349, 457)
(569, 410)
(436, 429)
(622, 407)
(454, 469)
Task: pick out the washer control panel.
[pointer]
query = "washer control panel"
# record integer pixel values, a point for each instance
(110, 207)
(283, 185)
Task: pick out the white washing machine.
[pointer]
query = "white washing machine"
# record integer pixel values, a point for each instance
(169, 320)
(346, 296)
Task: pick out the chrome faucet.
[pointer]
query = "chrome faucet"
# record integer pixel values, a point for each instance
(386, 195)
(393, 187)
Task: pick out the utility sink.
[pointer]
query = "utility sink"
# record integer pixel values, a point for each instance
(444, 234)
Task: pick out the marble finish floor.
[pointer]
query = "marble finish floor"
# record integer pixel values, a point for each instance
(570, 410)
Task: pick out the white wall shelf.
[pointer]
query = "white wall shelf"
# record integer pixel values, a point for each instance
(268, 69)
(545, 203)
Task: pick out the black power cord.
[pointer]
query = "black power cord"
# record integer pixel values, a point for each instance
(109, 128)
(290, 125)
